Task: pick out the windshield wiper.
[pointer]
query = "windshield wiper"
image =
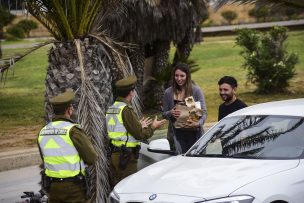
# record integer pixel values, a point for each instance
(237, 156)
(243, 156)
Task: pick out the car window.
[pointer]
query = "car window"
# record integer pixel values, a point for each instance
(261, 137)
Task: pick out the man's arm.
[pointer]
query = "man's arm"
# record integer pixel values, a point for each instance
(133, 125)
(83, 145)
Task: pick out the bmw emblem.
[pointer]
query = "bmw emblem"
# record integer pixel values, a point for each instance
(153, 197)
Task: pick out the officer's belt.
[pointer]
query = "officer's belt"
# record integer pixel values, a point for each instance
(118, 149)
(71, 179)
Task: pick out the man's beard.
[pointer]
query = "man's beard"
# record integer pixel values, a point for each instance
(228, 97)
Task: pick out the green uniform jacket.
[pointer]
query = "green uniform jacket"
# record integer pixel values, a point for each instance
(132, 123)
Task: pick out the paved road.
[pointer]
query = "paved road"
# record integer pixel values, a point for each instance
(19, 46)
(14, 182)
(30, 44)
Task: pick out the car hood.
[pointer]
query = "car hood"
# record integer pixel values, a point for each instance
(197, 176)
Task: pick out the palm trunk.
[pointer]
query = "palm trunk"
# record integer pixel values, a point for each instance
(183, 50)
(155, 89)
(92, 84)
(198, 34)
(137, 59)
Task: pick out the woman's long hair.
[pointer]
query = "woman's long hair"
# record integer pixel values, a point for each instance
(188, 84)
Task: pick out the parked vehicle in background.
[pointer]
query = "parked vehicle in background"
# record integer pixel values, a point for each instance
(254, 155)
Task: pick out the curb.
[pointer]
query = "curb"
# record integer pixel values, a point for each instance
(29, 157)
(19, 158)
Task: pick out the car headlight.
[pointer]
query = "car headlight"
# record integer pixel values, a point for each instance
(235, 199)
(114, 197)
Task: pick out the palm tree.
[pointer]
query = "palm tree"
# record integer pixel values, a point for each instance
(152, 25)
(87, 62)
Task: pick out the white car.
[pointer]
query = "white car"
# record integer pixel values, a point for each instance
(254, 155)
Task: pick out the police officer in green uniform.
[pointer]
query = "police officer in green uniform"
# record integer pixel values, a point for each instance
(126, 131)
(65, 149)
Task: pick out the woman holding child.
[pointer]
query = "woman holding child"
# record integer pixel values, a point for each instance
(182, 88)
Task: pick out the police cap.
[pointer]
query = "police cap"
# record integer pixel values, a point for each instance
(62, 101)
(127, 83)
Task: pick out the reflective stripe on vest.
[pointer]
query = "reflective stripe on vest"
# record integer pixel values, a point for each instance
(116, 130)
(60, 157)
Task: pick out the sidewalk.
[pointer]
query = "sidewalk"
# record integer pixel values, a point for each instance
(30, 157)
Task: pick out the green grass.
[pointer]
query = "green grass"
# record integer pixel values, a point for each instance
(21, 99)
(23, 41)
(7, 53)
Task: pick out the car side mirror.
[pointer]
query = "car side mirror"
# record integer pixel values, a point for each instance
(160, 146)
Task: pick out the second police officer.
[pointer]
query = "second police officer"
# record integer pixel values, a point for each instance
(126, 130)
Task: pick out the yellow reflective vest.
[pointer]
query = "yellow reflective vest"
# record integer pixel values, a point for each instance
(60, 157)
(116, 130)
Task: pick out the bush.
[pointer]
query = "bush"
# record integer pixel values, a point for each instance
(293, 13)
(15, 32)
(6, 18)
(266, 59)
(208, 23)
(27, 26)
(261, 13)
(229, 16)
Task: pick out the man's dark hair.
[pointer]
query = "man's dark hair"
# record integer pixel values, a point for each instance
(229, 80)
(60, 109)
(123, 92)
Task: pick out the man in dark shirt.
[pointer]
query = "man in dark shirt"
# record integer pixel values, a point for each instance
(227, 90)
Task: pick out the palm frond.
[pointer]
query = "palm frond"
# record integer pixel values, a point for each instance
(42, 15)
(119, 55)
(72, 15)
(10, 62)
(111, 9)
(148, 2)
(65, 20)
(92, 15)
(63, 24)
(84, 9)
(92, 118)
(146, 21)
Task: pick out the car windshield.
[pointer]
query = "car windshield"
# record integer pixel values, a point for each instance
(257, 137)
